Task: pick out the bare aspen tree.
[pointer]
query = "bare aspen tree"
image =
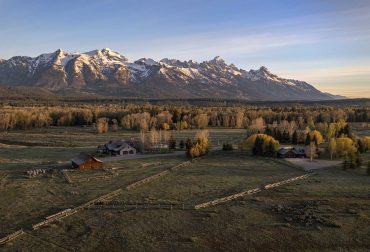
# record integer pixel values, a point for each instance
(201, 121)
(114, 125)
(332, 147)
(239, 120)
(258, 124)
(154, 136)
(166, 136)
(311, 150)
(102, 125)
(142, 139)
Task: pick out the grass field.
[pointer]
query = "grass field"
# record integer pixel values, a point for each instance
(248, 224)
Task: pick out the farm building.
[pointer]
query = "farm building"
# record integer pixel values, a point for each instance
(85, 161)
(159, 147)
(119, 147)
(292, 152)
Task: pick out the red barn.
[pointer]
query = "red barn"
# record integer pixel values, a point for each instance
(85, 161)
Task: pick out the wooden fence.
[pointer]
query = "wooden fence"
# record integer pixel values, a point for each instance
(3, 177)
(57, 214)
(97, 177)
(150, 164)
(66, 176)
(143, 205)
(11, 236)
(53, 218)
(269, 186)
(249, 192)
(103, 198)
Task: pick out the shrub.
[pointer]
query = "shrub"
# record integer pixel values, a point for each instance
(172, 143)
(200, 147)
(260, 144)
(227, 147)
(182, 144)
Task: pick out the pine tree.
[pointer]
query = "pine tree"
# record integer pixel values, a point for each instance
(279, 136)
(182, 144)
(188, 144)
(274, 133)
(345, 164)
(258, 146)
(270, 150)
(308, 139)
(172, 143)
(295, 138)
(286, 137)
(255, 146)
(360, 146)
(358, 160)
(268, 131)
(314, 139)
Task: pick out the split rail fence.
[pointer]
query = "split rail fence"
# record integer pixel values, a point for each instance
(66, 176)
(249, 192)
(12, 236)
(104, 198)
(143, 205)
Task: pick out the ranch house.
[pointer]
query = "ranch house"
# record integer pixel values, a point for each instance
(119, 147)
(292, 152)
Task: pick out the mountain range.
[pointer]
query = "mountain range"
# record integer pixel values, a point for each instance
(108, 73)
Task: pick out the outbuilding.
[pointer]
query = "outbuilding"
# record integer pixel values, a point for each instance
(85, 161)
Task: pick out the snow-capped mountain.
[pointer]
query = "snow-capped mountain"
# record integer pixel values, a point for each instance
(107, 72)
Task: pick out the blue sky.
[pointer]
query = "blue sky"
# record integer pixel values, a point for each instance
(326, 42)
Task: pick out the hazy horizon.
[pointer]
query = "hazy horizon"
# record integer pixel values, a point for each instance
(326, 43)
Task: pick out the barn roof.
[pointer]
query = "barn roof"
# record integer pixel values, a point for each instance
(84, 157)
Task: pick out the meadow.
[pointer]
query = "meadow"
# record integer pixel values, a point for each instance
(281, 219)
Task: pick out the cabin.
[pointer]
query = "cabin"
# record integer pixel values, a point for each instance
(292, 152)
(85, 161)
(119, 147)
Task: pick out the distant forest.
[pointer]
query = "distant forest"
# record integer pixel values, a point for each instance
(140, 114)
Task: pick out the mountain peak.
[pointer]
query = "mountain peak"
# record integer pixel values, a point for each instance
(116, 75)
(147, 61)
(218, 58)
(264, 69)
(218, 61)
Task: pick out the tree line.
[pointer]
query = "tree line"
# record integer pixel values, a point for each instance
(147, 116)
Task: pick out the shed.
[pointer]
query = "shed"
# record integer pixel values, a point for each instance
(85, 161)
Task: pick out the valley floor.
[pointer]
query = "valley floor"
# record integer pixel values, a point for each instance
(329, 211)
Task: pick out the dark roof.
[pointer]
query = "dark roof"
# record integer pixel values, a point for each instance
(284, 151)
(296, 150)
(84, 157)
(117, 145)
(299, 150)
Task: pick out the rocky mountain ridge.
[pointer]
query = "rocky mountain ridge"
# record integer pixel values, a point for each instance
(107, 72)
